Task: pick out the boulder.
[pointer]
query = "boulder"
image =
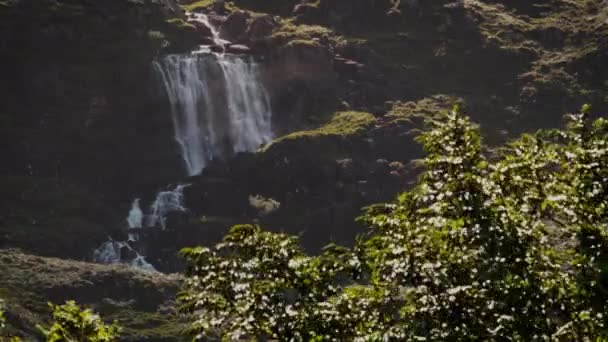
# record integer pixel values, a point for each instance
(307, 60)
(203, 30)
(127, 253)
(208, 41)
(218, 48)
(261, 28)
(235, 26)
(219, 6)
(307, 13)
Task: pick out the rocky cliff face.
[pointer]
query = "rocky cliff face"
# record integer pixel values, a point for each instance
(326, 56)
(84, 125)
(76, 86)
(78, 113)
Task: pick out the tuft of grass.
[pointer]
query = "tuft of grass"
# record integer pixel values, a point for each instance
(198, 5)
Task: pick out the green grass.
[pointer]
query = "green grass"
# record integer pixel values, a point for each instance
(290, 31)
(198, 5)
(342, 124)
(179, 23)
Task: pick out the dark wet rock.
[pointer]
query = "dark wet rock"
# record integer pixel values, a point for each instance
(261, 28)
(301, 77)
(218, 48)
(235, 26)
(203, 30)
(307, 13)
(127, 253)
(207, 41)
(219, 6)
(346, 67)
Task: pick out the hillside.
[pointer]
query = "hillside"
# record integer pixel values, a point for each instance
(88, 123)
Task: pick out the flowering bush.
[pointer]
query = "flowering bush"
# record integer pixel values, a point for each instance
(507, 245)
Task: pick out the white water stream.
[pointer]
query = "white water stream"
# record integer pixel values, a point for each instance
(218, 107)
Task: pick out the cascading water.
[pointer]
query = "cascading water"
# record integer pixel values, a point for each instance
(136, 216)
(141, 263)
(218, 105)
(135, 220)
(166, 202)
(120, 252)
(215, 34)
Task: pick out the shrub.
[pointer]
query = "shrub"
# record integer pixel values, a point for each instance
(72, 323)
(511, 245)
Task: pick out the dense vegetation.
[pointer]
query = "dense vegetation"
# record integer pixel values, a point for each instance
(506, 244)
(509, 244)
(489, 244)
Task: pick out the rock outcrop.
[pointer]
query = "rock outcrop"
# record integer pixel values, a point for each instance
(84, 127)
(80, 110)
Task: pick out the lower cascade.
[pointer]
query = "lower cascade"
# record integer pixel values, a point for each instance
(120, 252)
(166, 202)
(136, 215)
(123, 252)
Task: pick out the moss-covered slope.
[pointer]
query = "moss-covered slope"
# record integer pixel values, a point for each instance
(141, 302)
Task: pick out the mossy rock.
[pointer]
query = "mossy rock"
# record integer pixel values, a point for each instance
(180, 23)
(341, 124)
(289, 32)
(198, 5)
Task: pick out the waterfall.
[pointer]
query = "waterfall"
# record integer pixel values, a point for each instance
(166, 202)
(215, 34)
(136, 216)
(120, 252)
(218, 105)
(109, 252)
(141, 263)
